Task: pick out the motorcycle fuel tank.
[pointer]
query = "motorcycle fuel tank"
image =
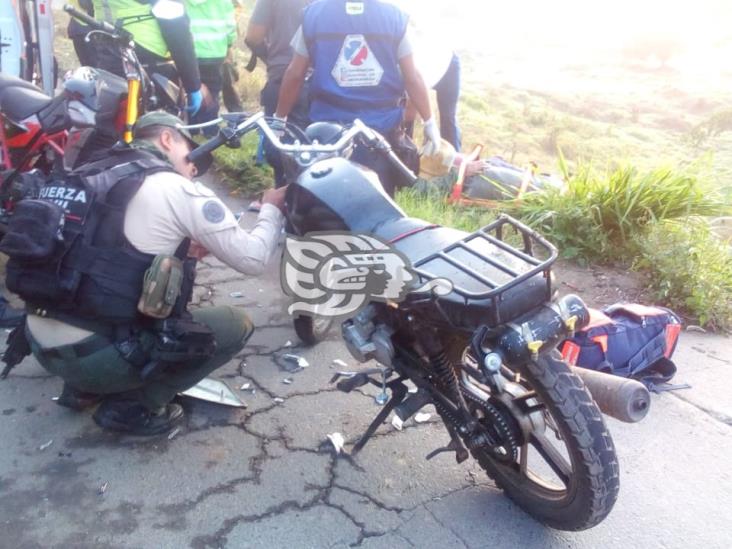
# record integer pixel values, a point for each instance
(338, 195)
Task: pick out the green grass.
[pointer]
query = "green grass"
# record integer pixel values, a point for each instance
(237, 168)
(433, 207)
(690, 270)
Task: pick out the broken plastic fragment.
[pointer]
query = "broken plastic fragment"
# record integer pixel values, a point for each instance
(45, 445)
(288, 343)
(278, 400)
(397, 423)
(337, 440)
(287, 381)
(245, 387)
(422, 417)
(103, 488)
(297, 359)
(236, 294)
(174, 432)
(340, 363)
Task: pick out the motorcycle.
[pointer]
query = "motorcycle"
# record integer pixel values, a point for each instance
(483, 353)
(93, 110)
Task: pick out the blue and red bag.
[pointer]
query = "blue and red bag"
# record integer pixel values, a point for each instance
(628, 340)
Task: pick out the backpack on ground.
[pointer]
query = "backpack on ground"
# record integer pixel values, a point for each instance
(627, 340)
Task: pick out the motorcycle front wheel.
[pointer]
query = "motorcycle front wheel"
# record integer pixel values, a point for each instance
(312, 331)
(565, 472)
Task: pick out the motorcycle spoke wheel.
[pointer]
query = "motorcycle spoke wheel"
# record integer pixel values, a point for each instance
(566, 470)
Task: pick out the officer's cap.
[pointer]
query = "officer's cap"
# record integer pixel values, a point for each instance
(162, 118)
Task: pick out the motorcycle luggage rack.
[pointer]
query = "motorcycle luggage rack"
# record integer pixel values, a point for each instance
(494, 234)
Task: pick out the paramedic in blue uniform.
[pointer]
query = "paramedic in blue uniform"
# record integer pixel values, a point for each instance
(362, 64)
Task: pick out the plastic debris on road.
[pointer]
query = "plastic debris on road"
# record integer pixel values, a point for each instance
(216, 391)
(245, 387)
(296, 359)
(173, 433)
(338, 441)
(287, 381)
(422, 417)
(397, 423)
(236, 294)
(278, 400)
(45, 445)
(103, 488)
(288, 343)
(340, 363)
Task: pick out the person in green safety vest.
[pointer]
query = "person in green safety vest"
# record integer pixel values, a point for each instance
(213, 25)
(161, 30)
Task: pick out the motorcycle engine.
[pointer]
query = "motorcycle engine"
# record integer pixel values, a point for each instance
(368, 340)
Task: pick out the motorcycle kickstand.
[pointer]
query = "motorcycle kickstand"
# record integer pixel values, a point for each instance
(398, 392)
(456, 445)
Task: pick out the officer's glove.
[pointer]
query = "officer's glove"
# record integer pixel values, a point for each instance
(195, 100)
(432, 138)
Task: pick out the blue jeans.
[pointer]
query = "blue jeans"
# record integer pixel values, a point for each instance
(448, 93)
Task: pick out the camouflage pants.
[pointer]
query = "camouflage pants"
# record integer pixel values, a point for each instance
(106, 372)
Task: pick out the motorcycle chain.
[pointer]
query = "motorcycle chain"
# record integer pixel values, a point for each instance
(496, 420)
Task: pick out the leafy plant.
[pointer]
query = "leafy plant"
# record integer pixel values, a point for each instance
(601, 216)
(691, 270)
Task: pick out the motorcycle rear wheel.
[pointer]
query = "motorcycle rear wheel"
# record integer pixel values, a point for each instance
(589, 467)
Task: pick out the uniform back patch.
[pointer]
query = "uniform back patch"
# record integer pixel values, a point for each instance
(357, 66)
(213, 211)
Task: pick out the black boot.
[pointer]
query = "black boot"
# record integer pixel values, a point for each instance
(75, 399)
(130, 416)
(10, 317)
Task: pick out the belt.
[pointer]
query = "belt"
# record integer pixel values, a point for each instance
(82, 349)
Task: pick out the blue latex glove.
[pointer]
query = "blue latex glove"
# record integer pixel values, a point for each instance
(194, 102)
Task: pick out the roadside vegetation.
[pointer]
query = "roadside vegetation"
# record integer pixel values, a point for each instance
(651, 221)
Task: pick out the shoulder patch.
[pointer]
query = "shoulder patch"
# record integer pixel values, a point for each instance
(213, 211)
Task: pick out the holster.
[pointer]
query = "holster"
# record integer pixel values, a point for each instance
(179, 341)
(18, 349)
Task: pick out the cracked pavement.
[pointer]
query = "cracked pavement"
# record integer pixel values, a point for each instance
(266, 476)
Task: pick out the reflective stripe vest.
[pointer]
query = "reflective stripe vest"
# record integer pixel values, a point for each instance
(353, 52)
(213, 25)
(146, 31)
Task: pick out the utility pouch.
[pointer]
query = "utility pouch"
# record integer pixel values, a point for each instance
(34, 232)
(161, 287)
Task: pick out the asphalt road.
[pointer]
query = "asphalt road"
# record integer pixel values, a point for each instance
(267, 477)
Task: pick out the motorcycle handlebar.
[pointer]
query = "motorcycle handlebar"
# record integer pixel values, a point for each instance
(372, 138)
(207, 147)
(95, 24)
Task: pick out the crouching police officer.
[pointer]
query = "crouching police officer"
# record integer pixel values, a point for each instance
(107, 274)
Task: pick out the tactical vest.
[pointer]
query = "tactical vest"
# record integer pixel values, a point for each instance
(137, 18)
(213, 26)
(353, 52)
(69, 258)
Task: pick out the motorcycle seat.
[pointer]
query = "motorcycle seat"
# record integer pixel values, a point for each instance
(20, 99)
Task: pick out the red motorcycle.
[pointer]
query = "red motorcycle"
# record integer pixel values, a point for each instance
(94, 110)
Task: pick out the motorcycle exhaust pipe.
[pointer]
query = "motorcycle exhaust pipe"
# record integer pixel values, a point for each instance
(624, 399)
